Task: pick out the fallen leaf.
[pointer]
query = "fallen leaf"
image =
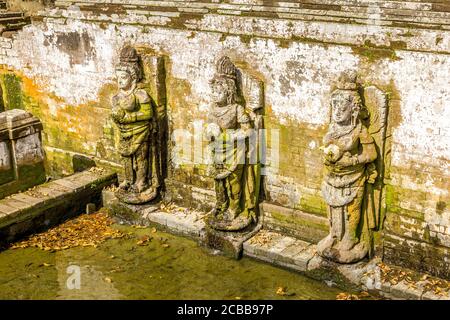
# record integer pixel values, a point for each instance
(46, 265)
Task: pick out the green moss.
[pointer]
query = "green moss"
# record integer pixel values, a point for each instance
(223, 37)
(374, 53)
(293, 221)
(167, 267)
(12, 91)
(29, 176)
(245, 38)
(313, 204)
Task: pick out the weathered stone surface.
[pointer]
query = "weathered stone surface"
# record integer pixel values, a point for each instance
(21, 152)
(293, 222)
(184, 222)
(301, 256)
(298, 49)
(43, 206)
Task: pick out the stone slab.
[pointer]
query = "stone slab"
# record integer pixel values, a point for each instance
(52, 202)
(300, 256)
(179, 221)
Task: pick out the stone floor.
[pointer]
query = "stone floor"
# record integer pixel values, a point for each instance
(290, 253)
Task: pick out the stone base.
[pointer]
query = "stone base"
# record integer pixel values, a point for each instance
(229, 243)
(182, 222)
(135, 198)
(301, 256)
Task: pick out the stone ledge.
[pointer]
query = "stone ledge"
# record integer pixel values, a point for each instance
(179, 221)
(317, 29)
(277, 249)
(298, 255)
(51, 203)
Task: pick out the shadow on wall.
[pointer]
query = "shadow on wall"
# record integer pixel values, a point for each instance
(2, 102)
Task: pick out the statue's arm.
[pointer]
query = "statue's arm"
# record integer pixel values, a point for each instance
(245, 126)
(368, 154)
(117, 113)
(369, 151)
(145, 113)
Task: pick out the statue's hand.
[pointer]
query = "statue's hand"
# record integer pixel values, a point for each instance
(347, 160)
(332, 153)
(118, 114)
(223, 175)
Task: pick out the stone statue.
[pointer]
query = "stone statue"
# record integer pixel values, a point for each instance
(350, 158)
(133, 112)
(229, 129)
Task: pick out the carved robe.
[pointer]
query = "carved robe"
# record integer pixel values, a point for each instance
(236, 190)
(135, 125)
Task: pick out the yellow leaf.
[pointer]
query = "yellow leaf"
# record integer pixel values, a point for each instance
(281, 291)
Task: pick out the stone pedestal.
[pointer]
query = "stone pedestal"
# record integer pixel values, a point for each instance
(229, 243)
(21, 153)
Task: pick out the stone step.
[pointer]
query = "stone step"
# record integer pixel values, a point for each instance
(280, 250)
(274, 248)
(51, 203)
(183, 221)
(11, 14)
(298, 255)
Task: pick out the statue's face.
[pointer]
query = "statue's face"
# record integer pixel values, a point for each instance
(219, 93)
(124, 80)
(342, 109)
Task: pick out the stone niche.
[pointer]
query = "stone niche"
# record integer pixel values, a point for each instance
(21, 153)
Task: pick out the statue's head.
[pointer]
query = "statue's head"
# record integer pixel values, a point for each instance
(346, 101)
(128, 70)
(223, 85)
(223, 91)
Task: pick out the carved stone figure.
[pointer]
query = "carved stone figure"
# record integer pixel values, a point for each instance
(350, 154)
(133, 112)
(230, 127)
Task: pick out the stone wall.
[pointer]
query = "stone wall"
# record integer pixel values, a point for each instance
(21, 152)
(61, 68)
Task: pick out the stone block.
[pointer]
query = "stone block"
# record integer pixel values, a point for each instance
(49, 204)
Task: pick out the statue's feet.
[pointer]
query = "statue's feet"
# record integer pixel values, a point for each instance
(125, 185)
(326, 243)
(216, 212)
(346, 244)
(141, 187)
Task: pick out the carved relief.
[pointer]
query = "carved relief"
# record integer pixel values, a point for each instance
(139, 121)
(234, 118)
(354, 152)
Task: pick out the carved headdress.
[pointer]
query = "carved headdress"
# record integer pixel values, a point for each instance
(347, 88)
(226, 75)
(129, 61)
(226, 68)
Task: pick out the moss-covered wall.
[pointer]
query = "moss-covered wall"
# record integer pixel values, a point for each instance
(66, 78)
